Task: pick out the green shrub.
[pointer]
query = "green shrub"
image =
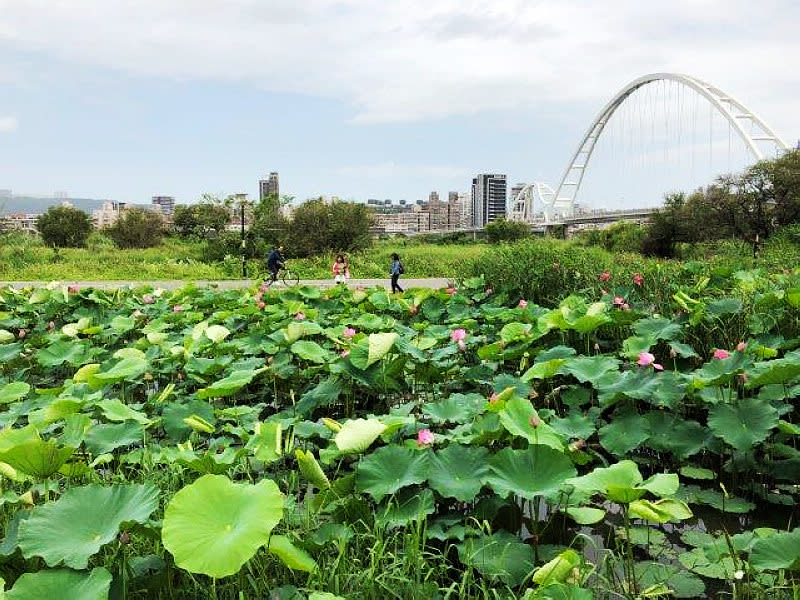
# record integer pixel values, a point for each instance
(64, 227)
(137, 228)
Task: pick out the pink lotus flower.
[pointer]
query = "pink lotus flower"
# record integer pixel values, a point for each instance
(605, 276)
(148, 299)
(638, 279)
(645, 359)
(424, 437)
(262, 305)
(721, 354)
(741, 346)
(349, 333)
(535, 421)
(300, 316)
(619, 301)
(73, 288)
(177, 308)
(523, 304)
(344, 353)
(458, 335)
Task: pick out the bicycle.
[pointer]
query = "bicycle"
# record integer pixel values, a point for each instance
(288, 277)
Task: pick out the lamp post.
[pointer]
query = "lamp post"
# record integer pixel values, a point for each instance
(242, 200)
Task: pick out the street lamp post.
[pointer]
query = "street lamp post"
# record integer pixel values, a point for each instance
(242, 199)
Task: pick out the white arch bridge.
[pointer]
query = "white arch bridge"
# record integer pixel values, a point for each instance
(539, 203)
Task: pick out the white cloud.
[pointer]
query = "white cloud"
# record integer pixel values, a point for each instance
(8, 124)
(429, 59)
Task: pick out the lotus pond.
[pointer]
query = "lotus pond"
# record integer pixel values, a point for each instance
(460, 443)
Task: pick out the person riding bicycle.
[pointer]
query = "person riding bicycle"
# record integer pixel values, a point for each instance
(275, 262)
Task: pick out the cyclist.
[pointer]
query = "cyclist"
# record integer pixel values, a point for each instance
(276, 262)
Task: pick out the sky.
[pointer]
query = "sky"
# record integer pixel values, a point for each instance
(360, 99)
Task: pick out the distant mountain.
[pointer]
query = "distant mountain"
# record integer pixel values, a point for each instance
(31, 204)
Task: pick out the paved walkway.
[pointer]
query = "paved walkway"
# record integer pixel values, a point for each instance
(229, 284)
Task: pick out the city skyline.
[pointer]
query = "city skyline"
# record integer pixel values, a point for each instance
(390, 103)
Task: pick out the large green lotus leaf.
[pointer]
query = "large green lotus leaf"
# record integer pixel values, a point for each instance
(62, 351)
(292, 556)
(214, 526)
(657, 328)
(535, 471)
(518, 417)
(405, 507)
(266, 441)
(11, 392)
(499, 556)
(779, 551)
(62, 584)
(114, 410)
(357, 435)
(558, 569)
(37, 457)
(102, 439)
(620, 482)
(744, 424)
(456, 408)
(229, 385)
(311, 351)
(779, 371)
(625, 432)
(73, 528)
(391, 468)
(127, 368)
(589, 368)
(459, 471)
(216, 333)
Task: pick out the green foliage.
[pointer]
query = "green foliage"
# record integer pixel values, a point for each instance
(502, 230)
(64, 227)
(137, 228)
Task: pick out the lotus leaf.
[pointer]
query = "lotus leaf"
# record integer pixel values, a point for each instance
(744, 424)
(499, 556)
(292, 556)
(536, 471)
(405, 507)
(63, 584)
(357, 435)
(214, 526)
(521, 419)
(229, 385)
(73, 528)
(389, 469)
(459, 471)
(310, 351)
(11, 392)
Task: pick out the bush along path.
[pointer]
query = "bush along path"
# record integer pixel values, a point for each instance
(441, 443)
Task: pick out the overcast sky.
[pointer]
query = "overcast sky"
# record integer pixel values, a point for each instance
(355, 98)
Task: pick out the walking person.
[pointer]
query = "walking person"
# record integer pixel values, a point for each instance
(395, 270)
(275, 262)
(340, 269)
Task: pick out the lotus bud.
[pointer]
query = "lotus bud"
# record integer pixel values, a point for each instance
(334, 426)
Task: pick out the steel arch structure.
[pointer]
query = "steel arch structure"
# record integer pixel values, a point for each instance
(736, 113)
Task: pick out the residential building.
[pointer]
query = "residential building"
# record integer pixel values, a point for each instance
(488, 198)
(167, 204)
(268, 187)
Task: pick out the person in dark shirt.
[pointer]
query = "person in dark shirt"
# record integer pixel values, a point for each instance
(275, 262)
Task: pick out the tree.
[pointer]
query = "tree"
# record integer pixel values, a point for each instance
(64, 227)
(137, 228)
(502, 230)
(203, 220)
(317, 228)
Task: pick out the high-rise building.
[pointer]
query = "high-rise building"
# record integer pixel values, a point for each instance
(488, 198)
(167, 204)
(268, 187)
